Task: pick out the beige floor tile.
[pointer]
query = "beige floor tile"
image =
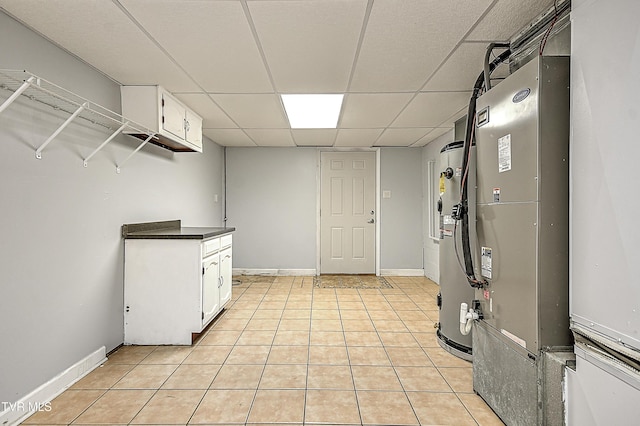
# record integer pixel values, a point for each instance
(167, 355)
(346, 305)
(413, 316)
(238, 377)
(256, 337)
(246, 305)
(332, 355)
(291, 337)
(224, 407)
(326, 314)
(169, 407)
(130, 354)
(248, 355)
(326, 325)
(362, 338)
(459, 378)
(276, 304)
(402, 357)
(294, 324)
(297, 314)
(427, 340)
(66, 407)
(389, 325)
(383, 315)
(332, 407)
(442, 358)
(239, 313)
(425, 326)
(422, 379)
(288, 355)
(277, 406)
(297, 304)
(220, 337)
(354, 315)
(329, 377)
(327, 338)
(208, 355)
(368, 356)
(284, 377)
(375, 378)
(440, 408)
(480, 411)
(230, 324)
(116, 407)
(263, 324)
(150, 376)
(406, 340)
(378, 306)
(103, 377)
(192, 376)
(267, 314)
(358, 325)
(385, 408)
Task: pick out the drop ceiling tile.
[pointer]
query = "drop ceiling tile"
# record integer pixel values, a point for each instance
(357, 137)
(432, 135)
(372, 110)
(406, 40)
(314, 137)
(211, 40)
(99, 33)
(506, 18)
(271, 137)
(228, 137)
(258, 111)
(309, 45)
(430, 109)
(401, 137)
(212, 115)
(461, 69)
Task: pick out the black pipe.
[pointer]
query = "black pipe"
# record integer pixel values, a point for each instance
(462, 213)
(487, 71)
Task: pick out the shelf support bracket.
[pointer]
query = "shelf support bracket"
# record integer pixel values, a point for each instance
(60, 129)
(17, 93)
(133, 153)
(102, 145)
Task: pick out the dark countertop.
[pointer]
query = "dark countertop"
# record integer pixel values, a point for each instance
(170, 230)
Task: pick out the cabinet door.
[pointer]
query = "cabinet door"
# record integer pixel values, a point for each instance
(173, 116)
(210, 290)
(193, 129)
(225, 275)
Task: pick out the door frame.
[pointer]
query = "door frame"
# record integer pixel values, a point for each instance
(377, 198)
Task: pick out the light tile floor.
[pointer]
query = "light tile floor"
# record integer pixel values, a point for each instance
(284, 352)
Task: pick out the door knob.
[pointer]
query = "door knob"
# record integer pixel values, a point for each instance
(370, 221)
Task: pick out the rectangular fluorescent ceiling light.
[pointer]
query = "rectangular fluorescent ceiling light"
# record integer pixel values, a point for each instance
(313, 111)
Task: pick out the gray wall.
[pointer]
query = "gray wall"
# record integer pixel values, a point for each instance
(272, 200)
(61, 255)
(401, 215)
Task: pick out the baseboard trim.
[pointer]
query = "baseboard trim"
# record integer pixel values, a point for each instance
(274, 272)
(402, 272)
(39, 399)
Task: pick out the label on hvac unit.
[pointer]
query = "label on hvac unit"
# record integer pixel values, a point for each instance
(496, 195)
(447, 233)
(486, 262)
(515, 338)
(504, 154)
(448, 220)
(458, 171)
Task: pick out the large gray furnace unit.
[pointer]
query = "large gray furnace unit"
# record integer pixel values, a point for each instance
(454, 288)
(522, 341)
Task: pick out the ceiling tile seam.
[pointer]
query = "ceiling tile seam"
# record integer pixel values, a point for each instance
(444, 61)
(128, 14)
(356, 55)
(263, 56)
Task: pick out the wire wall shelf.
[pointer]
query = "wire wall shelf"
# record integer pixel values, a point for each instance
(37, 89)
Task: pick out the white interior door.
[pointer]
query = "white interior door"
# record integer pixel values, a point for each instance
(347, 212)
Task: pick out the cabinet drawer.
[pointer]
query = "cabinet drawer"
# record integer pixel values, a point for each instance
(225, 241)
(210, 246)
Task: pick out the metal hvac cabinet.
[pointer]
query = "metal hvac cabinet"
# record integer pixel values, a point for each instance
(522, 150)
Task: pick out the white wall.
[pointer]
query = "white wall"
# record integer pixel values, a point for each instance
(61, 254)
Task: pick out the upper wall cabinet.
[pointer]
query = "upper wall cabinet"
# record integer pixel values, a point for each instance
(177, 127)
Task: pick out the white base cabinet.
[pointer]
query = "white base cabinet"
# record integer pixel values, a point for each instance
(173, 288)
